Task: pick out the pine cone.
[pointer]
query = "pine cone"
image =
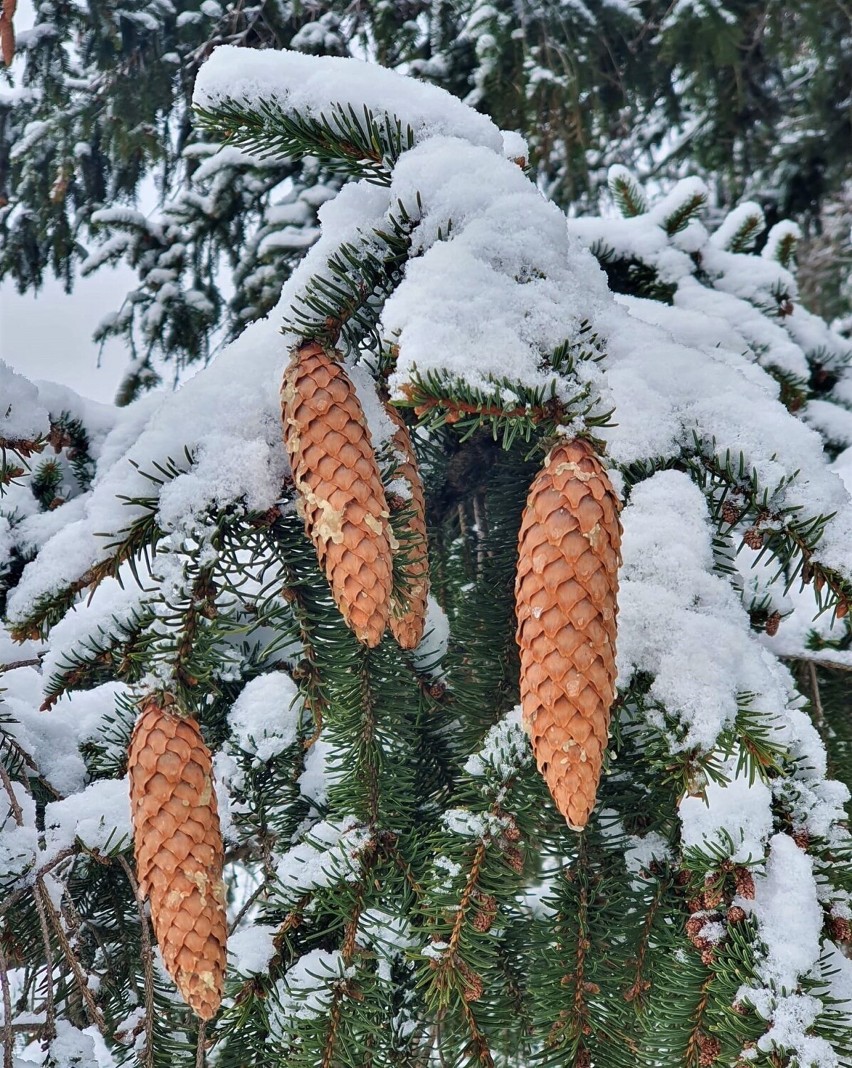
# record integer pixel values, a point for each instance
(565, 595)
(7, 31)
(336, 474)
(179, 854)
(407, 620)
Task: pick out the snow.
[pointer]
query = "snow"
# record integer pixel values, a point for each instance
(247, 426)
(389, 936)
(435, 641)
(745, 215)
(735, 812)
(308, 986)
(311, 85)
(474, 825)
(783, 231)
(107, 613)
(265, 718)
(673, 611)
(72, 1048)
(19, 846)
(789, 919)
(21, 414)
(329, 855)
(251, 949)
(99, 816)
(53, 738)
(505, 750)
(506, 289)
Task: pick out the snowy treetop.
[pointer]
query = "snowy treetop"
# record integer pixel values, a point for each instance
(311, 86)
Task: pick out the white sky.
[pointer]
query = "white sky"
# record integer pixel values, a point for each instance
(49, 334)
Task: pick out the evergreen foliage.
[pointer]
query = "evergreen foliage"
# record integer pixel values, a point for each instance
(401, 889)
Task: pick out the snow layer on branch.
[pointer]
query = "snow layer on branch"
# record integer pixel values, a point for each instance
(748, 214)
(251, 949)
(788, 914)
(330, 856)
(307, 987)
(790, 918)
(22, 416)
(735, 812)
(504, 752)
(755, 331)
(99, 816)
(264, 719)
(666, 392)
(53, 740)
(227, 418)
(107, 613)
(673, 610)
(507, 287)
(308, 86)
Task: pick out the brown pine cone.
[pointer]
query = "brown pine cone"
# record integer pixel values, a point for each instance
(565, 593)
(179, 853)
(7, 31)
(408, 613)
(342, 498)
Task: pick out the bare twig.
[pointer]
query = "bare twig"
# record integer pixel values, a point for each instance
(199, 1052)
(25, 891)
(71, 958)
(147, 966)
(816, 699)
(256, 893)
(8, 1033)
(19, 664)
(17, 812)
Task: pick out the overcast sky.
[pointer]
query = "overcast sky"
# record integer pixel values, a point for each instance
(49, 334)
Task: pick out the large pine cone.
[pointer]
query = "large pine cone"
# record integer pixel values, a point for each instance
(408, 615)
(565, 592)
(337, 476)
(7, 31)
(179, 854)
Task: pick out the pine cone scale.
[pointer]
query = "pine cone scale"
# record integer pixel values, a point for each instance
(566, 590)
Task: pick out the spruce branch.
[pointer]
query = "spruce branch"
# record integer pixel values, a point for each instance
(627, 193)
(359, 145)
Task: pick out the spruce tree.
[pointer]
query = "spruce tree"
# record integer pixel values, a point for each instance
(230, 701)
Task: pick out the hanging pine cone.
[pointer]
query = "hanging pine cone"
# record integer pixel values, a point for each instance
(565, 595)
(336, 474)
(179, 854)
(408, 614)
(7, 31)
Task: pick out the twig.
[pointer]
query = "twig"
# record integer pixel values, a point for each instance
(816, 699)
(199, 1052)
(17, 812)
(19, 664)
(248, 904)
(147, 965)
(8, 1034)
(25, 891)
(70, 956)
